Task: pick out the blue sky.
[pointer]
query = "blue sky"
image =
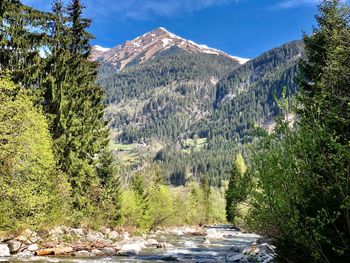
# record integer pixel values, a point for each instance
(244, 28)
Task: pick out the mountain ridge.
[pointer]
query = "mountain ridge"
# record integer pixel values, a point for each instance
(150, 45)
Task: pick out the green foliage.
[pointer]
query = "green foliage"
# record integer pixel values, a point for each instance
(240, 185)
(302, 199)
(32, 190)
(150, 203)
(62, 84)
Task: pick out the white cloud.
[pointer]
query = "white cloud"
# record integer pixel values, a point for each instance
(145, 9)
(297, 3)
(138, 9)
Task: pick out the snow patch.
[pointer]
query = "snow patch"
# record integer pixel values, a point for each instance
(204, 46)
(102, 49)
(208, 51)
(241, 60)
(166, 41)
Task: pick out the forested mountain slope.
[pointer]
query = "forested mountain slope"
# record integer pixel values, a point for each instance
(190, 111)
(246, 95)
(161, 99)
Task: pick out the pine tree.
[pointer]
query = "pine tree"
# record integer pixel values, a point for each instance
(75, 104)
(237, 189)
(205, 187)
(324, 85)
(19, 46)
(110, 181)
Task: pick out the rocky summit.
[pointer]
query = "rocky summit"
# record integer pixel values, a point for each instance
(156, 43)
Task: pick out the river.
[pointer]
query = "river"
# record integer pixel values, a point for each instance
(186, 248)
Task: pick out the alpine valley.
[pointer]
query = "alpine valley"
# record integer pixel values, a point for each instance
(189, 107)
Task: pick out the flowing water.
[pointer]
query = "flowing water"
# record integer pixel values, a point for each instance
(187, 248)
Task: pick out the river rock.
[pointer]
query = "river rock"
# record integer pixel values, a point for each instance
(25, 254)
(57, 231)
(97, 253)
(152, 236)
(138, 239)
(105, 230)
(176, 231)
(151, 242)
(94, 236)
(126, 236)
(27, 236)
(113, 235)
(235, 258)
(77, 232)
(190, 230)
(4, 250)
(164, 245)
(235, 249)
(260, 253)
(14, 245)
(108, 251)
(198, 233)
(162, 239)
(214, 234)
(206, 242)
(82, 253)
(33, 247)
(130, 249)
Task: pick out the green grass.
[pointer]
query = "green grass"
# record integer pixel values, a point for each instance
(194, 144)
(122, 147)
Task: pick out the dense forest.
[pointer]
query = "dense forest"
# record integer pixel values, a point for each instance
(182, 139)
(195, 110)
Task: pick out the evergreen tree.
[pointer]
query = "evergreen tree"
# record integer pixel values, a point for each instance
(238, 188)
(19, 46)
(110, 181)
(140, 190)
(75, 103)
(205, 187)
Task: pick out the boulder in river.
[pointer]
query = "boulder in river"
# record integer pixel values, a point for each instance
(235, 249)
(130, 249)
(151, 242)
(206, 242)
(14, 246)
(214, 234)
(164, 245)
(108, 251)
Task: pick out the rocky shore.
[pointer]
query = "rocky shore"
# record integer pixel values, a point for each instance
(81, 242)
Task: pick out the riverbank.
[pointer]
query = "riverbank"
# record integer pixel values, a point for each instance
(186, 244)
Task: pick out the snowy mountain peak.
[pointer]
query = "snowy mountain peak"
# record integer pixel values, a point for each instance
(151, 44)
